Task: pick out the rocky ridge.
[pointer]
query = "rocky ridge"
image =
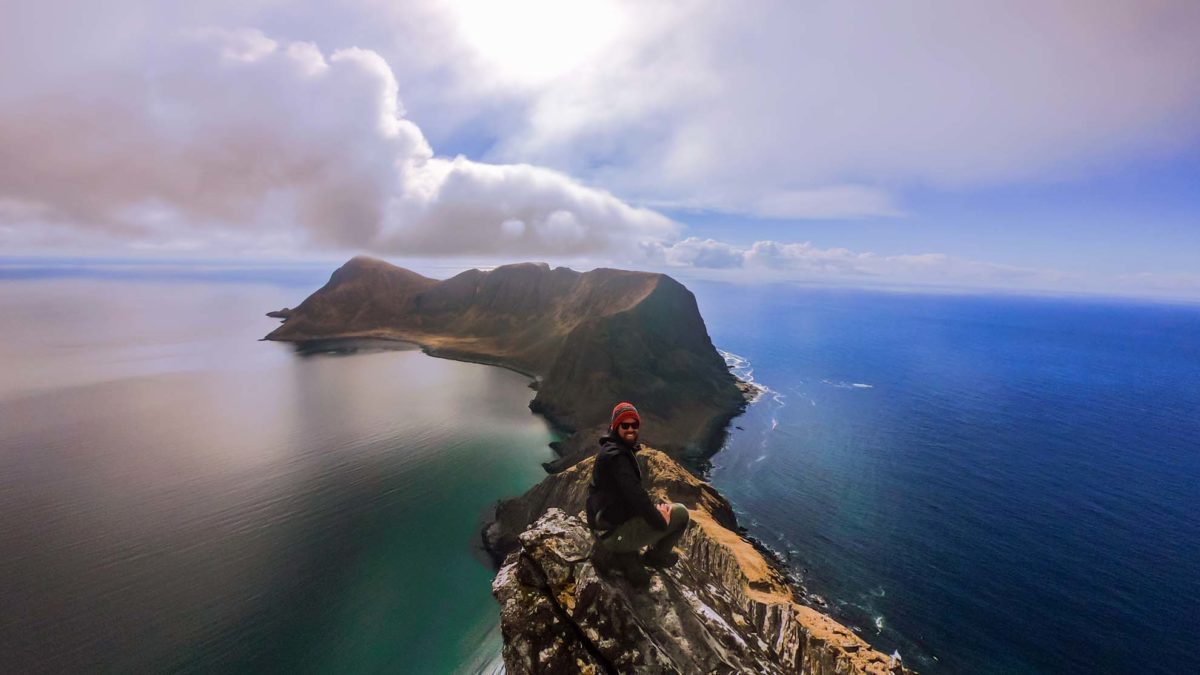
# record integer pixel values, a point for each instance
(589, 339)
(724, 608)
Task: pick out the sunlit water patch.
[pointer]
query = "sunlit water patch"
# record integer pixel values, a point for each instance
(177, 494)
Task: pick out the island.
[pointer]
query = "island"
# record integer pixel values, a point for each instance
(588, 340)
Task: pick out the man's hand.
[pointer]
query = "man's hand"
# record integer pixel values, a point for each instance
(665, 510)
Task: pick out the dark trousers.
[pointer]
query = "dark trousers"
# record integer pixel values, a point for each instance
(631, 535)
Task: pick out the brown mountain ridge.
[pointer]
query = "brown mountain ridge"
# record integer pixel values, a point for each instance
(589, 339)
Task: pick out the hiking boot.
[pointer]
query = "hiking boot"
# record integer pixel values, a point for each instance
(660, 560)
(632, 569)
(604, 561)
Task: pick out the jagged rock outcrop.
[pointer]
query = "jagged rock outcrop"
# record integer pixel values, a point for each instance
(591, 339)
(724, 608)
(665, 480)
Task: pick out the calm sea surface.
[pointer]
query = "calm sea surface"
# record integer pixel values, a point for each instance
(984, 485)
(177, 495)
(987, 485)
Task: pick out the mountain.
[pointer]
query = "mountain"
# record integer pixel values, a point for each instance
(590, 340)
(723, 608)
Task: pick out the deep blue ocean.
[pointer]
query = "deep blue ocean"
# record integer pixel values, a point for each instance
(982, 484)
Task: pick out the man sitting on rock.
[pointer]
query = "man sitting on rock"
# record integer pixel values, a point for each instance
(619, 511)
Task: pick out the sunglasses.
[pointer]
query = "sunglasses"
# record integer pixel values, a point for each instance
(629, 425)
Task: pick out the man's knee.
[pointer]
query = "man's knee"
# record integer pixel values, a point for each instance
(679, 516)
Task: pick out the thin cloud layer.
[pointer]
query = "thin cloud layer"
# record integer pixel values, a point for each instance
(235, 134)
(804, 261)
(707, 104)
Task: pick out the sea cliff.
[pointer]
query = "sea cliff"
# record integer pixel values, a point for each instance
(723, 608)
(590, 339)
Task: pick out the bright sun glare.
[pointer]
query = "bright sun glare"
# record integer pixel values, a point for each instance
(534, 41)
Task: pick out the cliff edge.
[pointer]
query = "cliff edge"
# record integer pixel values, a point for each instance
(590, 339)
(723, 608)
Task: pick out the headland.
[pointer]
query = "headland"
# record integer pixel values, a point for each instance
(588, 340)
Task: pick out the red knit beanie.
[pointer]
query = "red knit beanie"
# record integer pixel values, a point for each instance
(623, 411)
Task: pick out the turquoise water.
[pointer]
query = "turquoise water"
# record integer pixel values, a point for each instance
(178, 495)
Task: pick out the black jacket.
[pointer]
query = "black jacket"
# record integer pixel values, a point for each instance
(616, 493)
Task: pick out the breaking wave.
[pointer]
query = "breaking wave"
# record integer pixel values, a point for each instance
(847, 385)
(744, 371)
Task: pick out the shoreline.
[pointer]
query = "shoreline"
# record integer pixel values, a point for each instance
(772, 556)
(718, 426)
(750, 389)
(752, 393)
(425, 348)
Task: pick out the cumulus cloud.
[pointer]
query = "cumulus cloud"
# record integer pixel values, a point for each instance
(461, 206)
(696, 252)
(805, 261)
(123, 116)
(233, 132)
(825, 109)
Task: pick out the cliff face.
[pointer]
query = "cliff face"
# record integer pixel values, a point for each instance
(567, 491)
(722, 608)
(592, 339)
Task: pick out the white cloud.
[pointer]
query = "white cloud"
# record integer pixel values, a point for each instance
(130, 121)
(823, 109)
(834, 201)
(830, 202)
(1163, 283)
(513, 227)
(460, 207)
(782, 110)
(232, 131)
(696, 252)
(804, 261)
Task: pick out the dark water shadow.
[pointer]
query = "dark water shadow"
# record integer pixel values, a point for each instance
(351, 346)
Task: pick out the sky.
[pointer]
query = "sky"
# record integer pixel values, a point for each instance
(1049, 147)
